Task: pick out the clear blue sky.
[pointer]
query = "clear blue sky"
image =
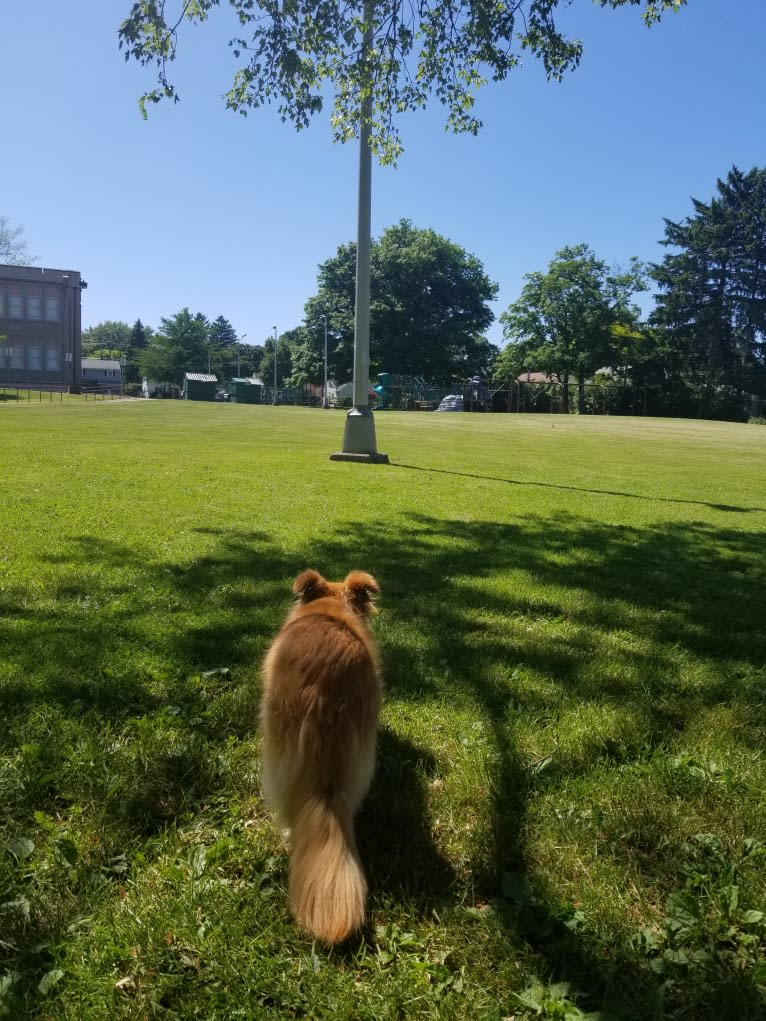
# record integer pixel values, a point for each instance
(231, 216)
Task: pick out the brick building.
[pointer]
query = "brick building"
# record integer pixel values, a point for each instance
(40, 325)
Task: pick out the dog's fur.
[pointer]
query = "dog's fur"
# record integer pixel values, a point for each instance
(319, 713)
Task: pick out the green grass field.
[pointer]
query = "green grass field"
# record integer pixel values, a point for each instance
(569, 814)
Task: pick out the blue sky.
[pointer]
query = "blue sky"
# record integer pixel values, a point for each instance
(231, 216)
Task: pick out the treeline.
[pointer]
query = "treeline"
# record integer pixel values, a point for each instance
(701, 351)
(183, 343)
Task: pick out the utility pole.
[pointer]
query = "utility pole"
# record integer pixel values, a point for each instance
(275, 367)
(325, 402)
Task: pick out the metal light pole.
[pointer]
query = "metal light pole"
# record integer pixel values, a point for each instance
(325, 402)
(275, 367)
(359, 433)
(239, 341)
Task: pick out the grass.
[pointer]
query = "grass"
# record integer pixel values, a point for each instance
(568, 818)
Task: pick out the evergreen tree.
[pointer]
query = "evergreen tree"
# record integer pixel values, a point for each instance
(138, 340)
(222, 338)
(711, 307)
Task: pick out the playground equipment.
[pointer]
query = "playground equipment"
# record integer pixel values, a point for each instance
(407, 393)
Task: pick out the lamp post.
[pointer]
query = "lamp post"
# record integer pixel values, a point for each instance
(275, 367)
(359, 432)
(239, 341)
(325, 402)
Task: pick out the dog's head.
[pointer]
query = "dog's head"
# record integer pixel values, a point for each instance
(356, 591)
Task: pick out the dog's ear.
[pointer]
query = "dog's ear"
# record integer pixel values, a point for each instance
(361, 588)
(310, 585)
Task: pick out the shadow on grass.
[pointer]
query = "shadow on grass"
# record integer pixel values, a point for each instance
(452, 627)
(581, 489)
(395, 842)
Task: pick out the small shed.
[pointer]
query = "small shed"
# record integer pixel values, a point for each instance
(244, 390)
(199, 386)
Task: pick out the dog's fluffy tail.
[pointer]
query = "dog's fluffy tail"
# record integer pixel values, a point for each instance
(327, 887)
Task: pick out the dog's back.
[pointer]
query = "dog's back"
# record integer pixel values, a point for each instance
(319, 712)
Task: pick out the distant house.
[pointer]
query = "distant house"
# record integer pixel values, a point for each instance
(199, 386)
(40, 321)
(101, 372)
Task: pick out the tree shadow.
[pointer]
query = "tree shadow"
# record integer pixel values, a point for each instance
(452, 626)
(580, 489)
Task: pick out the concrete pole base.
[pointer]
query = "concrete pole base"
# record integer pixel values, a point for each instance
(359, 439)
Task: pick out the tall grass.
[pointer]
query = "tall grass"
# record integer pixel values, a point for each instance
(568, 818)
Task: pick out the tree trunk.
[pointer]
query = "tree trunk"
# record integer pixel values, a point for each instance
(581, 393)
(565, 394)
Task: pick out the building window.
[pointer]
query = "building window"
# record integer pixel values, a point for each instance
(51, 359)
(35, 358)
(16, 356)
(52, 307)
(34, 304)
(15, 303)
(2, 302)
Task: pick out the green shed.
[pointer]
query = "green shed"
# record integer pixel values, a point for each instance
(244, 391)
(199, 386)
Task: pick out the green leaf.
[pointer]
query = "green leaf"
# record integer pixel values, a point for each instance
(49, 980)
(683, 908)
(198, 860)
(67, 848)
(21, 847)
(6, 981)
(753, 917)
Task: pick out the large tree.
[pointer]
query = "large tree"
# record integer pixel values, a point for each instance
(180, 345)
(222, 343)
(428, 312)
(564, 321)
(297, 54)
(140, 336)
(111, 335)
(13, 247)
(711, 305)
(285, 346)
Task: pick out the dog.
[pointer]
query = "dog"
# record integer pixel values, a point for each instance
(321, 699)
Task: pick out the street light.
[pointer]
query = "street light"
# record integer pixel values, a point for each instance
(275, 367)
(325, 403)
(239, 341)
(359, 433)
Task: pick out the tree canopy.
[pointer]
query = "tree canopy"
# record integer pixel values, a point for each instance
(295, 54)
(711, 305)
(564, 321)
(110, 335)
(180, 345)
(13, 247)
(428, 312)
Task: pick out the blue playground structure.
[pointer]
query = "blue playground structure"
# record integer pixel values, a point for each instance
(412, 393)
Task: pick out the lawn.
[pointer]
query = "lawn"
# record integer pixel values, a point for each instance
(569, 814)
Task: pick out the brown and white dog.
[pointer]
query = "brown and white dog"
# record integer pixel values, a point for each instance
(319, 714)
